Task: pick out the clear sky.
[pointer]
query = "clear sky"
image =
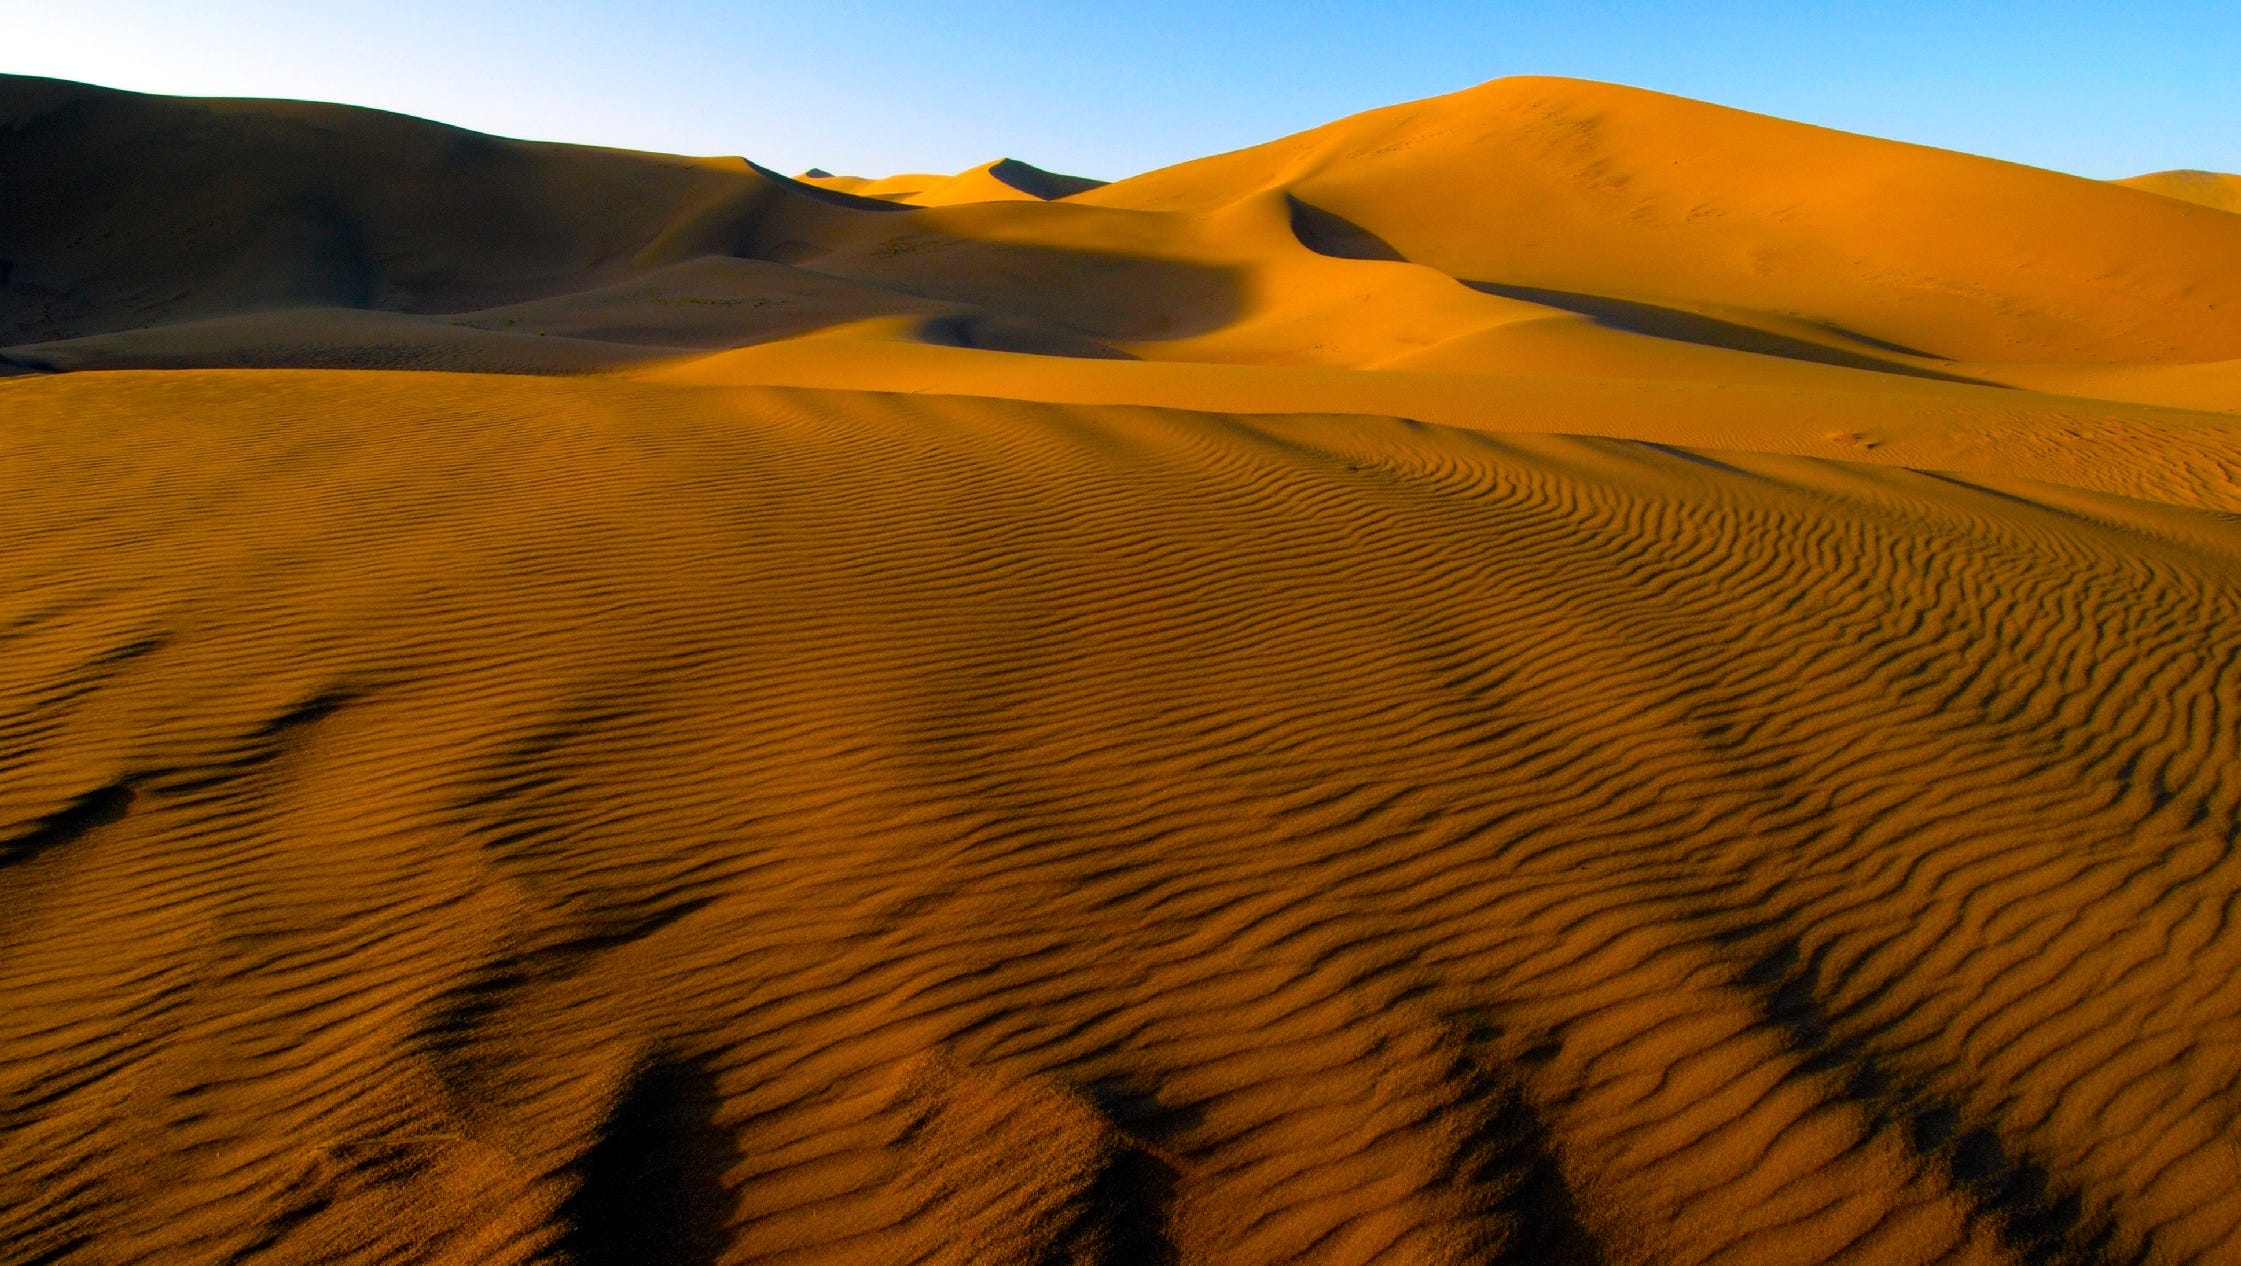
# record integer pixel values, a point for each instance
(1111, 87)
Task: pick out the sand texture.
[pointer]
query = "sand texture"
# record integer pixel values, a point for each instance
(1550, 675)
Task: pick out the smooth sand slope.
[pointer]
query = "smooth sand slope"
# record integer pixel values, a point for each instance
(1004, 180)
(2215, 189)
(1552, 675)
(1530, 226)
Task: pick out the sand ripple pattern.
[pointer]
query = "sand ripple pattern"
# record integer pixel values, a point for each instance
(462, 820)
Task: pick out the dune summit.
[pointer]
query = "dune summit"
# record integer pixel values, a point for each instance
(1555, 674)
(2218, 190)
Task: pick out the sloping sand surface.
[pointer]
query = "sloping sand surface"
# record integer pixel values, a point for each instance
(441, 798)
(1553, 675)
(1003, 180)
(2215, 189)
(1640, 237)
(1619, 193)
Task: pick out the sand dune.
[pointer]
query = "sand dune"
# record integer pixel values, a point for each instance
(2217, 190)
(1605, 191)
(1550, 675)
(1003, 180)
(1643, 237)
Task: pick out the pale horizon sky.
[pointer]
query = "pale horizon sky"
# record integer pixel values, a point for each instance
(872, 87)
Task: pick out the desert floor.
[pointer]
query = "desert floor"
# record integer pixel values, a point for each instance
(1550, 675)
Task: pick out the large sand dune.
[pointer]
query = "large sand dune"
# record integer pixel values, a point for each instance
(1551, 675)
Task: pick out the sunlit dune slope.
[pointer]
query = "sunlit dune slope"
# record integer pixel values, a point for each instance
(2217, 190)
(479, 819)
(1003, 180)
(1584, 189)
(2173, 456)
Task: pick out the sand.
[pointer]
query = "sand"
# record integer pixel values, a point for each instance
(1003, 180)
(2215, 189)
(1551, 675)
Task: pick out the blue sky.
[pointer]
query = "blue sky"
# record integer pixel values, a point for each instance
(1108, 89)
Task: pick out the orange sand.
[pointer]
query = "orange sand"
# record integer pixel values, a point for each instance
(2218, 190)
(1554, 674)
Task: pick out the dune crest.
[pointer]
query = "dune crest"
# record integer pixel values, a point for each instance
(2220, 191)
(1002, 180)
(1643, 237)
(1550, 675)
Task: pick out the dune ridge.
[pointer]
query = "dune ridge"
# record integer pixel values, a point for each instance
(1548, 675)
(1000, 180)
(1643, 236)
(2220, 191)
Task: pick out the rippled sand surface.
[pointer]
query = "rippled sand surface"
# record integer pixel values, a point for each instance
(1124, 768)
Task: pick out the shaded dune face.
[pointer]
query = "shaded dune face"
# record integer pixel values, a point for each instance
(482, 819)
(159, 233)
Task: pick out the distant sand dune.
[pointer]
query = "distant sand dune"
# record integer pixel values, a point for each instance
(2220, 191)
(1635, 230)
(1552, 675)
(1004, 180)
